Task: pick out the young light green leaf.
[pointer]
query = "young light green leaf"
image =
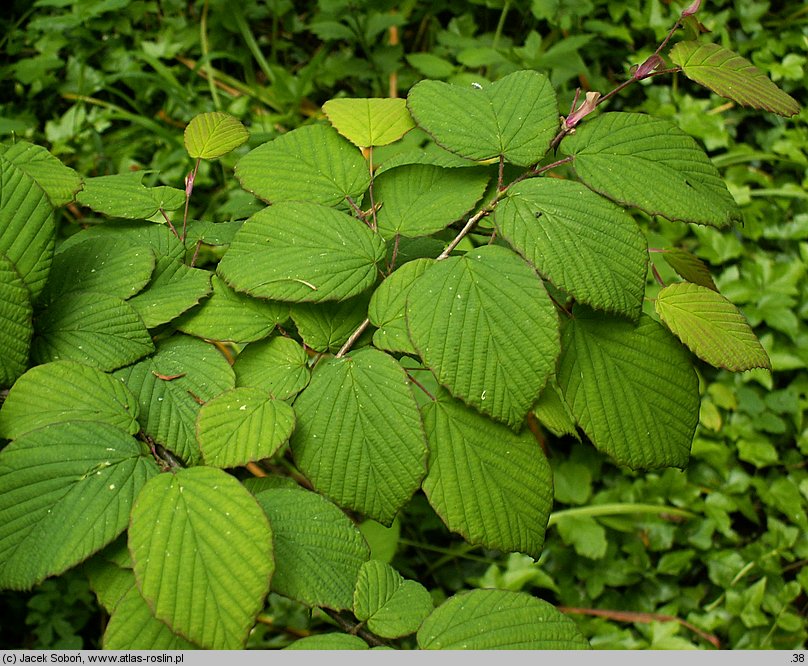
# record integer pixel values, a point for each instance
(327, 326)
(498, 620)
(311, 163)
(302, 252)
(390, 606)
(491, 308)
(328, 641)
(66, 493)
(579, 241)
(632, 389)
(67, 391)
(93, 328)
(647, 162)
(16, 323)
(60, 182)
(115, 269)
(132, 626)
(369, 122)
(514, 118)
(174, 288)
(554, 413)
(278, 366)
(388, 307)
(487, 483)
(711, 327)
(27, 227)
(362, 451)
(318, 550)
(731, 76)
(228, 315)
(689, 267)
(242, 425)
(109, 573)
(214, 134)
(421, 199)
(170, 386)
(124, 195)
(202, 554)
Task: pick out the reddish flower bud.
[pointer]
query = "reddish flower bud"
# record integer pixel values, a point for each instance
(694, 7)
(647, 68)
(586, 107)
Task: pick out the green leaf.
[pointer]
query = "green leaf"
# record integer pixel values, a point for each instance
(327, 326)
(27, 227)
(553, 412)
(359, 437)
(582, 243)
(202, 554)
(115, 269)
(632, 389)
(318, 550)
(647, 162)
(584, 534)
(485, 325)
(278, 366)
(67, 391)
(171, 384)
(60, 182)
(498, 620)
(369, 122)
(174, 288)
(711, 327)
(731, 76)
(328, 641)
(388, 305)
(16, 323)
(242, 425)
(228, 315)
(689, 267)
(514, 118)
(109, 574)
(487, 483)
(214, 134)
(421, 199)
(311, 163)
(390, 606)
(66, 493)
(132, 626)
(92, 328)
(302, 252)
(124, 195)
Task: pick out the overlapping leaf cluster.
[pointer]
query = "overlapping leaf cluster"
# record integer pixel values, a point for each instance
(334, 301)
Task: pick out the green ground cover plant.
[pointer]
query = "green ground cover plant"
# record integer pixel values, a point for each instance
(444, 290)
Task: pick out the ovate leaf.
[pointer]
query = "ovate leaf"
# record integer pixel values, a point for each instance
(689, 267)
(202, 554)
(361, 450)
(16, 324)
(66, 493)
(132, 626)
(278, 366)
(242, 425)
(731, 76)
(485, 482)
(318, 550)
(92, 328)
(311, 163)
(391, 606)
(369, 122)
(554, 413)
(631, 388)
(302, 252)
(421, 199)
(514, 118)
(67, 391)
(485, 325)
(60, 182)
(211, 135)
(498, 620)
(327, 326)
(579, 241)
(711, 327)
(647, 162)
(228, 315)
(170, 387)
(124, 195)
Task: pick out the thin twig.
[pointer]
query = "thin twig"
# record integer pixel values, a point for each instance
(354, 337)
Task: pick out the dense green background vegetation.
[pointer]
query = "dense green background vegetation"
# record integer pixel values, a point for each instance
(108, 86)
